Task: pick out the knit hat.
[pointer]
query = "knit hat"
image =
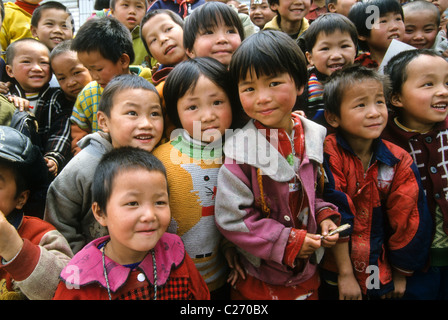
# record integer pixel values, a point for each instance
(16, 147)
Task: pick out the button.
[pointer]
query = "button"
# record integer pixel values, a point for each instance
(141, 277)
(433, 169)
(437, 196)
(287, 218)
(428, 139)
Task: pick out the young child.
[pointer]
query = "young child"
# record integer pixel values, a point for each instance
(129, 114)
(376, 186)
(214, 30)
(317, 9)
(138, 260)
(422, 25)
(290, 16)
(419, 125)
(162, 34)
(260, 13)
(32, 252)
(375, 33)
(330, 44)
(28, 64)
(52, 23)
(130, 13)
(104, 46)
(198, 99)
(16, 24)
(442, 5)
(340, 6)
(69, 71)
(267, 202)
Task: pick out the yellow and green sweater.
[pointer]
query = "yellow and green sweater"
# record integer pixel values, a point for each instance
(192, 171)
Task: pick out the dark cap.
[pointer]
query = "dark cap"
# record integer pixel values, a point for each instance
(15, 146)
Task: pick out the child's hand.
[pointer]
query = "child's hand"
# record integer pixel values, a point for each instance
(326, 226)
(310, 244)
(348, 287)
(235, 266)
(4, 87)
(399, 286)
(20, 103)
(10, 241)
(52, 166)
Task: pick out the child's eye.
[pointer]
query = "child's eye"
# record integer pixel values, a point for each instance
(361, 105)
(249, 89)
(161, 203)
(132, 204)
(156, 114)
(191, 108)
(131, 113)
(274, 83)
(232, 30)
(428, 84)
(218, 102)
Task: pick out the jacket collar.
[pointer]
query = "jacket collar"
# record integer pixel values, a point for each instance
(169, 253)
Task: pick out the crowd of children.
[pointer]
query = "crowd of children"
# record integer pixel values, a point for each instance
(202, 150)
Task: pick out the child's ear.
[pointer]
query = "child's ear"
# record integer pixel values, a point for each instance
(300, 90)
(125, 61)
(33, 30)
(8, 69)
(395, 100)
(99, 214)
(362, 38)
(22, 199)
(190, 53)
(332, 119)
(309, 58)
(331, 8)
(102, 121)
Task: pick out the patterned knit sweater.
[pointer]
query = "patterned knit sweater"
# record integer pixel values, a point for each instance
(192, 170)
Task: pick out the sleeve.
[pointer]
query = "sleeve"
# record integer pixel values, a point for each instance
(243, 224)
(82, 110)
(409, 218)
(197, 285)
(76, 135)
(36, 268)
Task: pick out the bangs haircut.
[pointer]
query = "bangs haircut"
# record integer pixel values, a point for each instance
(119, 84)
(106, 35)
(328, 23)
(269, 53)
(184, 78)
(120, 160)
(341, 80)
(208, 16)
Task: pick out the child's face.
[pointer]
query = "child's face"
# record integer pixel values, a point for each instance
(342, 6)
(292, 10)
(30, 66)
(442, 5)
(137, 214)
(269, 99)
(219, 42)
(135, 120)
(388, 27)
(164, 38)
(70, 73)
(53, 27)
(8, 189)
(420, 29)
(424, 94)
(260, 13)
(129, 12)
(102, 70)
(363, 114)
(205, 112)
(332, 51)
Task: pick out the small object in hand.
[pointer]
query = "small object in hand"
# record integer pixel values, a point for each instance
(337, 230)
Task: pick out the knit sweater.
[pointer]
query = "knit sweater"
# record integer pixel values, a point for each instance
(192, 171)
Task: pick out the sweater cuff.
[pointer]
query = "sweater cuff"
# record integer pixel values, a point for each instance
(295, 242)
(21, 267)
(328, 213)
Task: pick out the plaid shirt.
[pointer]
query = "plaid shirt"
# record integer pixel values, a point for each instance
(52, 113)
(430, 153)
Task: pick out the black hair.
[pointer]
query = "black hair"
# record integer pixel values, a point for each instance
(101, 4)
(208, 16)
(340, 80)
(116, 161)
(106, 35)
(62, 47)
(150, 14)
(362, 14)
(421, 5)
(269, 52)
(328, 23)
(184, 77)
(37, 13)
(11, 50)
(118, 84)
(396, 68)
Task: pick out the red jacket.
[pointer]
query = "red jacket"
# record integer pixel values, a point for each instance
(391, 224)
